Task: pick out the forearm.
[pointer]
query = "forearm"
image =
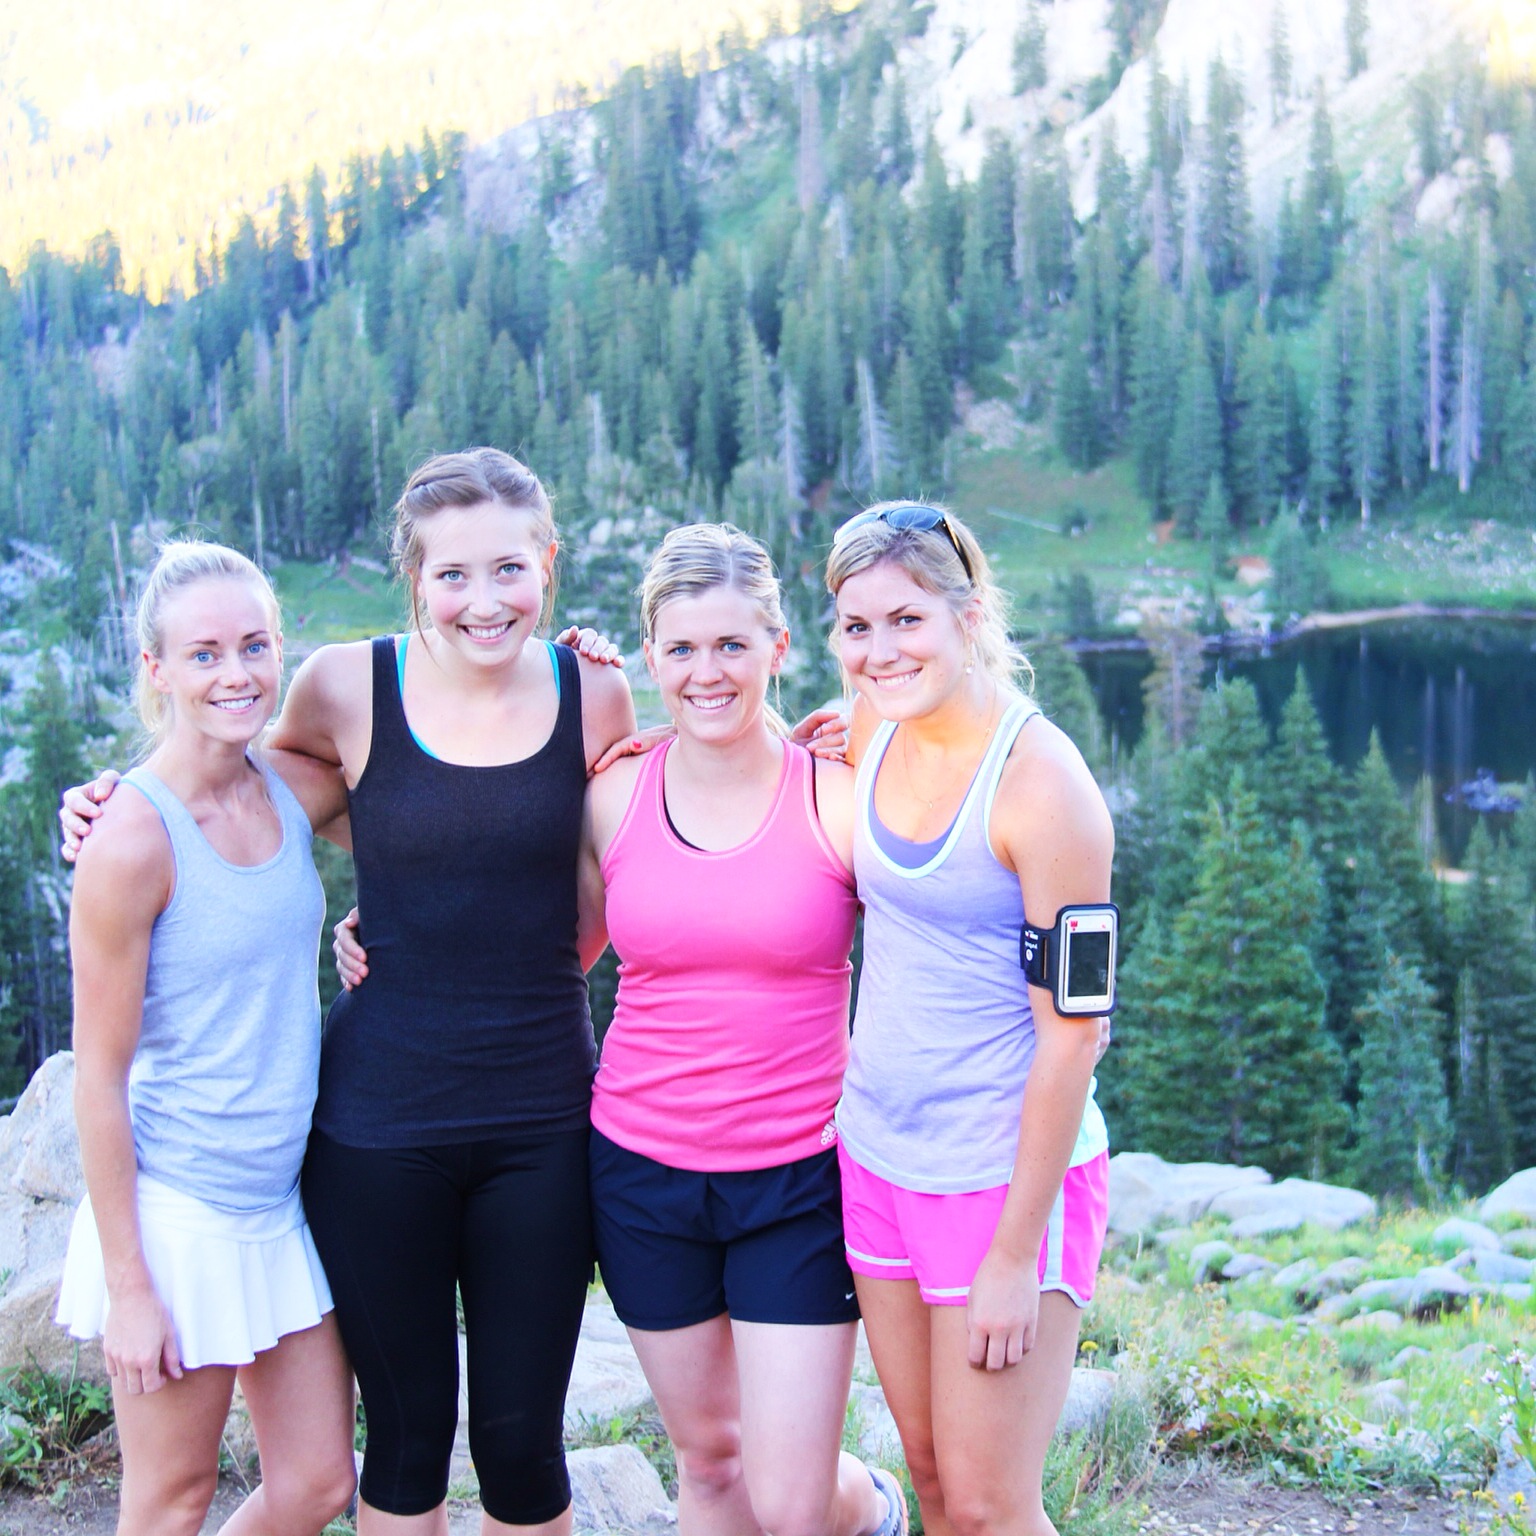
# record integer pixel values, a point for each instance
(111, 1175)
(1054, 1099)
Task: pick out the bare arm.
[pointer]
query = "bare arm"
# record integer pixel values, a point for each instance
(591, 903)
(125, 880)
(1051, 826)
(607, 709)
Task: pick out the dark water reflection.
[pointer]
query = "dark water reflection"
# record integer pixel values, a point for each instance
(1449, 697)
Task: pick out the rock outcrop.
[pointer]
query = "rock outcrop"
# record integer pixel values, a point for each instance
(40, 1186)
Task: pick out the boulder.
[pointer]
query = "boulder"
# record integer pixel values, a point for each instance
(614, 1488)
(1088, 1400)
(1377, 1295)
(1248, 1266)
(29, 1335)
(39, 1150)
(1379, 1322)
(1521, 1241)
(1145, 1192)
(1518, 1293)
(1342, 1275)
(1405, 1357)
(1388, 1399)
(1513, 1484)
(1327, 1205)
(1266, 1224)
(606, 1380)
(1494, 1268)
(40, 1185)
(1256, 1322)
(1437, 1289)
(1516, 1196)
(1293, 1275)
(1458, 1233)
(1207, 1259)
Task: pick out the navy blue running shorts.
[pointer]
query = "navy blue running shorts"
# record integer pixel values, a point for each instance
(676, 1247)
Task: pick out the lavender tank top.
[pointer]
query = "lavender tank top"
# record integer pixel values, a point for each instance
(943, 1036)
(223, 1080)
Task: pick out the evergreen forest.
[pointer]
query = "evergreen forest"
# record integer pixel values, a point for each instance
(759, 292)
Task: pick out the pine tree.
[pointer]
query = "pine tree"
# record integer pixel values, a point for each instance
(1258, 434)
(1370, 398)
(1029, 72)
(1226, 1057)
(1495, 944)
(1280, 61)
(1320, 217)
(1402, 1122)
(1077, 402)
(1356, 27)
(1224, 210)
(1325, 423)
(1154, 374)
(1194, 451)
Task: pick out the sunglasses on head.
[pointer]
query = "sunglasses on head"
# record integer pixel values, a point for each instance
(920, 519)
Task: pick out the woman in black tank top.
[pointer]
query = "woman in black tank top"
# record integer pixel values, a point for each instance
(449, 1149)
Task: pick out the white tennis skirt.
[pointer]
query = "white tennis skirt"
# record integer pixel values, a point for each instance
(234, 1282)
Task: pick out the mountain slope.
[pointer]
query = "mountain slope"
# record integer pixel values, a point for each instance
(161, 119)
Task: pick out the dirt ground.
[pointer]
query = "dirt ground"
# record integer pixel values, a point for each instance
(1201, 1506)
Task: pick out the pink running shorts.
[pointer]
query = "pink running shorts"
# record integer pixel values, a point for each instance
(940, 1240)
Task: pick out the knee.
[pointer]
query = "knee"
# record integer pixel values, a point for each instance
(923, 1469)
(175, 1505)
(782, 1509)
(314, 1494)
(975, 1510)
(710, 1462)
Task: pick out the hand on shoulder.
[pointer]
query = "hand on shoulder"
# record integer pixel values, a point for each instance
(127, 860)
(607, 708)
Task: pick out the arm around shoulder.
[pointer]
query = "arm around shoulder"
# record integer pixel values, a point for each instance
(607, 708)
(329, 700)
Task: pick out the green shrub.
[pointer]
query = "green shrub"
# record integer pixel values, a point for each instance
(44, 1421)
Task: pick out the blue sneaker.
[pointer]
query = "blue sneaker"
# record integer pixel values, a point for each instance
(896, 1516)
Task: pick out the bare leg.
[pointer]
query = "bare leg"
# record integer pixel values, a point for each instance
(170, 1443)
(993, 1428)
(300, 1397)
(897, 1323)
(692, 1372)
(794, 1397)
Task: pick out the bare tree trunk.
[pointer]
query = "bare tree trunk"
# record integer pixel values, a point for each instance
(1434, 373)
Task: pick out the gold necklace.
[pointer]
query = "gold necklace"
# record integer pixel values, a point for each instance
(906, 761)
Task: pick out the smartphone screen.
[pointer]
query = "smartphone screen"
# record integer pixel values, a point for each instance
(1087, 966)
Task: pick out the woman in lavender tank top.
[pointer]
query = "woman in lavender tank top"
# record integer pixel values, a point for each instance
(193, 934)
(974, 1158)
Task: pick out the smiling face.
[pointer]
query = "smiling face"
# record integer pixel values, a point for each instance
(712, 655)
(482, 579)
(220, 663)
(904, 647)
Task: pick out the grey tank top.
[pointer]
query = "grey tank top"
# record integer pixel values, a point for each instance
(223, 1080)
(943, 1036)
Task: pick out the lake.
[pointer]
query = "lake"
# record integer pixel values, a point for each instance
(1448, 696)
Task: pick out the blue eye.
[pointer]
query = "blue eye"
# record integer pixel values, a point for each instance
(256, 648)
(513, 568)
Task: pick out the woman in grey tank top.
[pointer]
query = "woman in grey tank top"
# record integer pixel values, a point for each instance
(974, 1159)
(193, 934)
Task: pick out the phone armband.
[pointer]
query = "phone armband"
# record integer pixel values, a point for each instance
(1074, 959)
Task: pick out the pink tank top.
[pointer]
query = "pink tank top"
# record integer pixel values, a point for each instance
(730, 1035)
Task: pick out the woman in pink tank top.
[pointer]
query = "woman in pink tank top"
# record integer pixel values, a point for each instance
(725, 862)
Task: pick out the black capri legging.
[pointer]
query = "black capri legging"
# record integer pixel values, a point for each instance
(506, 1219)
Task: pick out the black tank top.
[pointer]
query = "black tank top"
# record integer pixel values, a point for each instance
(473, 1019)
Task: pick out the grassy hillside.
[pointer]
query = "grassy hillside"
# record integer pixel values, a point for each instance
(182, 115)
